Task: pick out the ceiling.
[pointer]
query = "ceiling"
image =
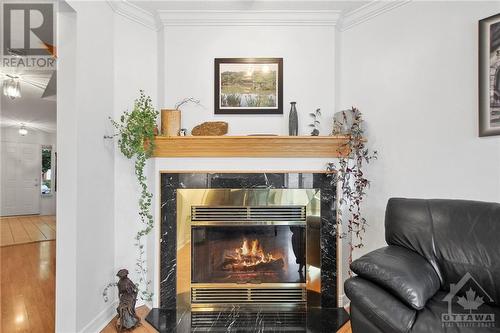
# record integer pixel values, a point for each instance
(31, 109)
(155, 6)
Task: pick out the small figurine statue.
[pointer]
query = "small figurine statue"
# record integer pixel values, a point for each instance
(127, 293)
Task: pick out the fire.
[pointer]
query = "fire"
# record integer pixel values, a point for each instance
(251, 253)
(251, 256)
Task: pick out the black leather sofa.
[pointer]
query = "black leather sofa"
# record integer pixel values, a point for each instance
(437, 251)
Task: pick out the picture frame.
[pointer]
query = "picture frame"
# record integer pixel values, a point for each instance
(489, 76)
(248, 86)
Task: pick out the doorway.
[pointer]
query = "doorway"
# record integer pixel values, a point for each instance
(28, 145)
(20, 192)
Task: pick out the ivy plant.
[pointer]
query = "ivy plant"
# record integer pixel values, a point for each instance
(349, 173)
(136, 140)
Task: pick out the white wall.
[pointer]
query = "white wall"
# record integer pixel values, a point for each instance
(100, 74)
(135, 61)
(308, 75)
(67, 170)
(413, 73)
(11, 134)
(85, 256)
(95, 180)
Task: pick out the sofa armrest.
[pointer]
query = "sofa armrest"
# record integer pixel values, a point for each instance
(378, 307)
(404, 273)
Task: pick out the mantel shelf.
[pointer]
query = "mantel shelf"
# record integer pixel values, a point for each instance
(251, 146)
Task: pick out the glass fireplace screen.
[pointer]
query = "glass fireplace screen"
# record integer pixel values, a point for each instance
(248, 254)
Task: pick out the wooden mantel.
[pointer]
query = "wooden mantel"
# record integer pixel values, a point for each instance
(250, 146)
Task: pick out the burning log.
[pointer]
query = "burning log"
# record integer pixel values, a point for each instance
(250, 258)
(275, 265)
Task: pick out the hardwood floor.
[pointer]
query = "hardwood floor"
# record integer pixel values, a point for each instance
(146, 328)
(26, 229)
(27, 280)
(143, 328)
(346, 328)
(27, 285)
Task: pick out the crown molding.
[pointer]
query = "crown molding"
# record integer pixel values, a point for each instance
(249, 17)
(134, 13)
(265, 17)
(369, 11)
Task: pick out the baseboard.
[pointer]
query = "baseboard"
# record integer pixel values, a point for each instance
(149, 305)
(101, 320)
(106, 315)
(140, 303)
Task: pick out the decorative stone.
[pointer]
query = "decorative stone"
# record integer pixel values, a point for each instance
(210, 128)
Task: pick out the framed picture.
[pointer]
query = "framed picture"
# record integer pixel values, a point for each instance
(489, 76)
(248, 86)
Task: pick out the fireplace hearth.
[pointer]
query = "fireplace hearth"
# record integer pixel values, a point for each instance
(236, 252)
(233, 319)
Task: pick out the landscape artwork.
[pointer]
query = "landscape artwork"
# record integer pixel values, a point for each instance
(489, 76)
(495, 69)
(248, 86)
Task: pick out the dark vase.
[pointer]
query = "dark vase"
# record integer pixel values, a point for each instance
(293, 121)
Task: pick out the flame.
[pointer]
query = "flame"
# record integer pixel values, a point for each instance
(250, 256)
(251, 253)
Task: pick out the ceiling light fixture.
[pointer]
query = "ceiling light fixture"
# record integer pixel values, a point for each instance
(23, 131)
(11, 87)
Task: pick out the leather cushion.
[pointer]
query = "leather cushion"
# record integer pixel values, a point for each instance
(404, 273)
(379, 307)
(455, 236)
(429, 320)
(360, 323)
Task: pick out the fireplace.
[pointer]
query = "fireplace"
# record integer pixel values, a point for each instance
(247, 247)
(232, 249)
(190, 203)
(247, 254)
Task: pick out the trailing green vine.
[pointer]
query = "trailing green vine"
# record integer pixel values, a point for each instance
(349, 173)
(136, 139)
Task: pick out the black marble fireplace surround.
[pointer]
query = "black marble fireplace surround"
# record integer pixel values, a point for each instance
(165, 320)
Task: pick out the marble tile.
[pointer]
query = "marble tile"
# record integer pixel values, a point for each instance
(170, 182)
(168, 247)
(247, 180)
(235, 319)
(328, 246)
